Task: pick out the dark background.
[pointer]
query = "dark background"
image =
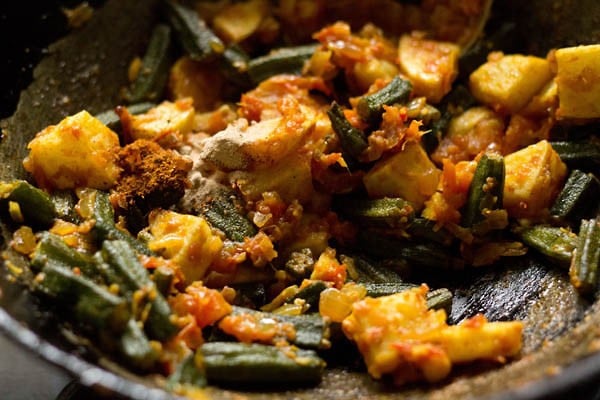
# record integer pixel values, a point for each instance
(26, 28)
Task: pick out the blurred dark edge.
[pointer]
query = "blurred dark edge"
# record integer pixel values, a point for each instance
(27, 27)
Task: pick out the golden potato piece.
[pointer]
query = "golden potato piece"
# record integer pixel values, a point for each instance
(239, 21)
(578, 80)
(203, 83)
(430, 65)
(398, 335)
(168, 118)
(409, 174)
(534, 176)
(78, 152)
(508, 83)
(185, 239)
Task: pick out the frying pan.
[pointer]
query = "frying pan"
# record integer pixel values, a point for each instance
(562, 335)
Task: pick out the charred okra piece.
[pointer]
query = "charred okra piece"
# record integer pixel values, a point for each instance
(486, 189)
(150, 82)
(287, 60)
(579, 197)
(370, 107)
(124, 269)
(584, 265)
(34, 205)
(557, 244)
(90, 303)
(352, 139)
(242, 363)
(389, 211)
(196, 38)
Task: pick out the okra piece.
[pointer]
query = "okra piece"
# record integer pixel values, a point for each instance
(557, 244)
(440, 299)
(102, 212)
(126, 271)
(584, 155)
(300, 263)
(52, 248)
(370, 271)
(310, 293)
(234, 65)
(112, 120)
(586, 259)
(311, 329)
(436, 299)
(223, 213)
(250, 295)
(90, 303)
(195, 37)
(370, 107)
(163, 279)
(381, 289)
(389, 211)
(286, 60)
(578, 198)
(486, 189)
(420, 254)
(423, 228)
(35, 205)
(134, 347)
(242, 363)
(151, 80)
(189, 372)
(352, 139)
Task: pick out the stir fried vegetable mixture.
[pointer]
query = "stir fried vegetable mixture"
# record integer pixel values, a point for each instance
(245, 210)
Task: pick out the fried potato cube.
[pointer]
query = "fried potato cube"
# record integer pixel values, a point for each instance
(168, 118)
(507, 83)
(201, 82)
(534, 176)
(291, 178)
(430, 65)
(398, 335)
(186, 240)
(409, 174)
(78, 152)
(578, 80)
(239, 21)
